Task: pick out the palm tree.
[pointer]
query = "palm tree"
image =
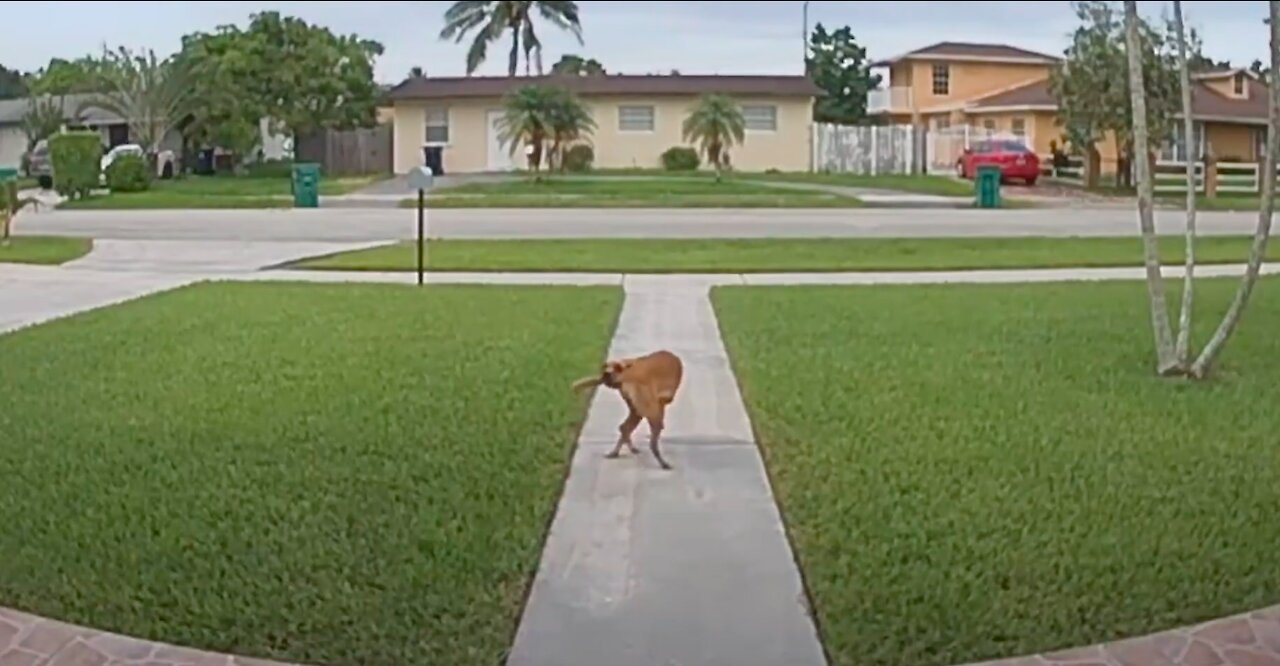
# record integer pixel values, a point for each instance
(152, 95)
(716, 123)
(10, 205)
(528, 119)
(491, 19)
(570, 121)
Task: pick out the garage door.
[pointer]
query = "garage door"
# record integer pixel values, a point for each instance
(499, 154)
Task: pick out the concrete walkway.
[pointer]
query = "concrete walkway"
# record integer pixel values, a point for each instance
(689, 566)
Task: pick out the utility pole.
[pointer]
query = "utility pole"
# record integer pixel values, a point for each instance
(804, 36)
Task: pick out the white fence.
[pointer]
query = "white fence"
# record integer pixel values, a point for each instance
(1233, 177)
(864, 150)
(1070, 172)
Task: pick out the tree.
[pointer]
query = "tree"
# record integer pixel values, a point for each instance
(10, 205)
(64, 77)
(43, 118)
(150, 94)
(570, 121)
(13, 84)
(715, 124)
(1091, 85)
(839, 66)
(492, 19)
(1182, 347)
(527, 120)
(301, 77)
(574, 65)
(1208, 356)
(1166, 362)
(417, 72)
(227, 115)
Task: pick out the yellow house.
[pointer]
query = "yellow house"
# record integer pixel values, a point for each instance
(1005, 90)
(452, 123)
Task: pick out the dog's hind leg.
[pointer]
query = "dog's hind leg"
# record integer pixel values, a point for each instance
(655, 431)
(624, 434)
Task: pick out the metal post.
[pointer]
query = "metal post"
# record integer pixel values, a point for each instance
(421, 231)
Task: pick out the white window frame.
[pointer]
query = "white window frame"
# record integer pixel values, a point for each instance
(941, 74)
(435, 117)
(1018, 127)
(989, 124)
(1171, 150)
(1237, 84)
(623, 119)
(771, 117)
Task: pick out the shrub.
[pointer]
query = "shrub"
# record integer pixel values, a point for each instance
(579, 158)
(680, 158)
(129, 173)
(75, 157)
(271, 169)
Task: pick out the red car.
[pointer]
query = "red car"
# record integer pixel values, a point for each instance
(1015, 160)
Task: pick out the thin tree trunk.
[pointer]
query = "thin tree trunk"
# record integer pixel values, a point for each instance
(1260, 237)
(513, 61)
(1166, 362)
(1182, 348)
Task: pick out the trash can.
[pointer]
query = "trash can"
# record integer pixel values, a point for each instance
(987, 183)
(306, 185)
(7, 175)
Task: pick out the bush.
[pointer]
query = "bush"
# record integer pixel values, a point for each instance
(76, 163)
(579, 158)
(271, 169)
(680, 158)
(129, 173)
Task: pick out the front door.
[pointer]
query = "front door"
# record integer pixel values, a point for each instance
(499, 153)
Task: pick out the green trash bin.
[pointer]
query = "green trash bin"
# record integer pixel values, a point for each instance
(7, 175)
(306, 185)
(987, 182)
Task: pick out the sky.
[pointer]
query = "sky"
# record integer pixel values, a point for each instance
(637, 37)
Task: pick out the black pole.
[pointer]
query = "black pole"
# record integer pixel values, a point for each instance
(421, 231)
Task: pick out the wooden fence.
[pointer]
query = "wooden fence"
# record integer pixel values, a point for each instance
(356, 152)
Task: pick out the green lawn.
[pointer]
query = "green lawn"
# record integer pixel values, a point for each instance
(568, 192)
(47, 250)
(216, 192)
(314, 474)
(973, 472)
(778, 255)
(918, 184)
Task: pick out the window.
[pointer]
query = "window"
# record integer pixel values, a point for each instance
(635, 118)
(437, 124)
(1259, 145)
(989, 125)
(941, 80)
(1172, 149)
(1019, 127)
(1238, 83)
(760, 118)
(943, 122)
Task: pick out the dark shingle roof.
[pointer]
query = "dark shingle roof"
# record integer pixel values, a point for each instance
(1035, 93)
(972, 50)
(613, 84)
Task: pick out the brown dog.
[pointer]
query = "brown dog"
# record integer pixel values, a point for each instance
(647, 384)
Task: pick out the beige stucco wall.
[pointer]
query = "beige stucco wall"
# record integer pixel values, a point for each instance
(969, 80)
(786, 149)
(1231, 142)
(13, 143)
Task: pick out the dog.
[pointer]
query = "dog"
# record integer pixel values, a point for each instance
(648, 384)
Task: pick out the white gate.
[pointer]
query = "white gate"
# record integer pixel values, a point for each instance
(943, 147)
(864, 150)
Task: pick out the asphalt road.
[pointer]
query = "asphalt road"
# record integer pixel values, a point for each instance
(358, 225)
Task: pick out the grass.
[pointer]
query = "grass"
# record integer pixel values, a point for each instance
(628, 193)
(916, 184)
(44, 250)
(974, 472)
(778, 255)
(215, 192)
(313, 474)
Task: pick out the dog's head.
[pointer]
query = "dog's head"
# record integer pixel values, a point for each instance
(611, 373)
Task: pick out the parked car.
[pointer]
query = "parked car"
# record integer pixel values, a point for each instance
(1015, 160)
(40, 165)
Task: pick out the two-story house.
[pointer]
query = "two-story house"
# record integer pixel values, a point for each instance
(1005, 89)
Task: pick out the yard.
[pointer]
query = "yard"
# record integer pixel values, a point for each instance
(47, 250)
(646, 192)
(916, 184)
(778, 255)
(314, 474)
(973, 472)
(216, 192)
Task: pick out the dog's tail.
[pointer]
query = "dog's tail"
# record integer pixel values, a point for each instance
(586, 383)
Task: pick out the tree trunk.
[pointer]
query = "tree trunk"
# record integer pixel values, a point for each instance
(513, 60)
(1166, 362)
(1182, 348)
(1260, 237)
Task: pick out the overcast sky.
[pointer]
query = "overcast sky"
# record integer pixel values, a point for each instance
(628, 37)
